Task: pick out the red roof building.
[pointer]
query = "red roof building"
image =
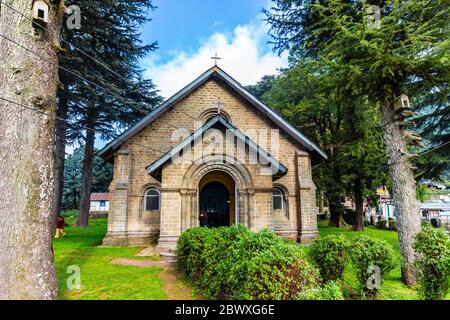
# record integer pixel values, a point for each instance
(99, 196)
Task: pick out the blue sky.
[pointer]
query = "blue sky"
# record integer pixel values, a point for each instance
(180, 25)
(189, 32)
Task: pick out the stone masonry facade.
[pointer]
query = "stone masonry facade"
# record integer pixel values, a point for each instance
(130, 224)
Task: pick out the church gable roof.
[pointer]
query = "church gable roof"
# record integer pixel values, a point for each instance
(278, 169)
(212, 73)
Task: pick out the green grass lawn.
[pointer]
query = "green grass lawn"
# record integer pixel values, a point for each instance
(100, 279)
(392, 288)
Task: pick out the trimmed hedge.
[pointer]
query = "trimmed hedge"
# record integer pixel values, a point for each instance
(235, 263)
(190, 246)
(366, 253)
(432, 247)
(331, 255)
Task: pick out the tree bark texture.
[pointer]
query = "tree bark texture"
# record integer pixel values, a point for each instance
(403, 190)
(27, 153)
(83, 208)
(359, 205)
(336, 209)
(321, 201)
(60, 153)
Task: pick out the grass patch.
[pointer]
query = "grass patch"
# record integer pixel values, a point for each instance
(393, 287)
(100, 279)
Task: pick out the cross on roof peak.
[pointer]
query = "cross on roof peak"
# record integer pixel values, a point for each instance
(215, 58)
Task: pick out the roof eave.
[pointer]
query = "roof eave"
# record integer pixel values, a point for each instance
(115, 144)
(154, 169)
(283, 124)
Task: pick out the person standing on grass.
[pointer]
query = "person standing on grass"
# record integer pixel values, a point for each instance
(60, 227)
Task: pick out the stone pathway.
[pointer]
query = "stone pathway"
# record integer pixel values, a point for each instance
(173, 286)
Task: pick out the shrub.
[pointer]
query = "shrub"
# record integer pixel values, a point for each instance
(330, 291)
(349, 216)
(436, 222)
(279, 272)
(217, 254)
(381, 224)
(190, 247)
(367, 253)
(331, 254)
(234, 263)
(425, 223)
(393, 225)
(432, 247)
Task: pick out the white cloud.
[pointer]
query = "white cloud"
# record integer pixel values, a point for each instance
(245, 54)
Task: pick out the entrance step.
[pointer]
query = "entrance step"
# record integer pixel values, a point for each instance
(168, 257)
(147, 252)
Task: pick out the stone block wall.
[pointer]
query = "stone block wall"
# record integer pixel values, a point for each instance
(130, 224)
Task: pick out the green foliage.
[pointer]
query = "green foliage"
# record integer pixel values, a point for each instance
(347, 128)
(264, 85)
(425, 223)
(133, 96)
(190, 248)
(330, 291)
(70, 217)
(234, 263)
(101, 177)
(278, 271)
(331, 255)
(407, 52)
(432, 247)
(382, 224)
(393, 225)
(220, 244)
(371, 252)
(100, 278)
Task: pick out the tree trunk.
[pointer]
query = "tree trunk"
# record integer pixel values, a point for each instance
(359, 206)
(320, 201)
(83, 208)
(74, 198)
(403, 190)
(26, 153)
(336, 209)
(60, 153)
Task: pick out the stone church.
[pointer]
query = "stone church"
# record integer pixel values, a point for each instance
(214, 148)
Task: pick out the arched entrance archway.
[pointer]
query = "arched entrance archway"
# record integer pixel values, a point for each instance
(217, 192)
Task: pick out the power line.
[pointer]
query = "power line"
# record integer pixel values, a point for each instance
(418, 154)
(65, 41)
(82, 78)
(434, 149)
(71, 72)
(67, 70)
(86, 54)
(70, 123)
(88, 81)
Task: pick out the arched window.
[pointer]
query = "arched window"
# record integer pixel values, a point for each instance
(278, 200)
(211, 113)
(152, 200)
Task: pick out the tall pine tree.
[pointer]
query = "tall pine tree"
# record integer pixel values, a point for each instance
(409, 44)
(346, 127)
(111, 98)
